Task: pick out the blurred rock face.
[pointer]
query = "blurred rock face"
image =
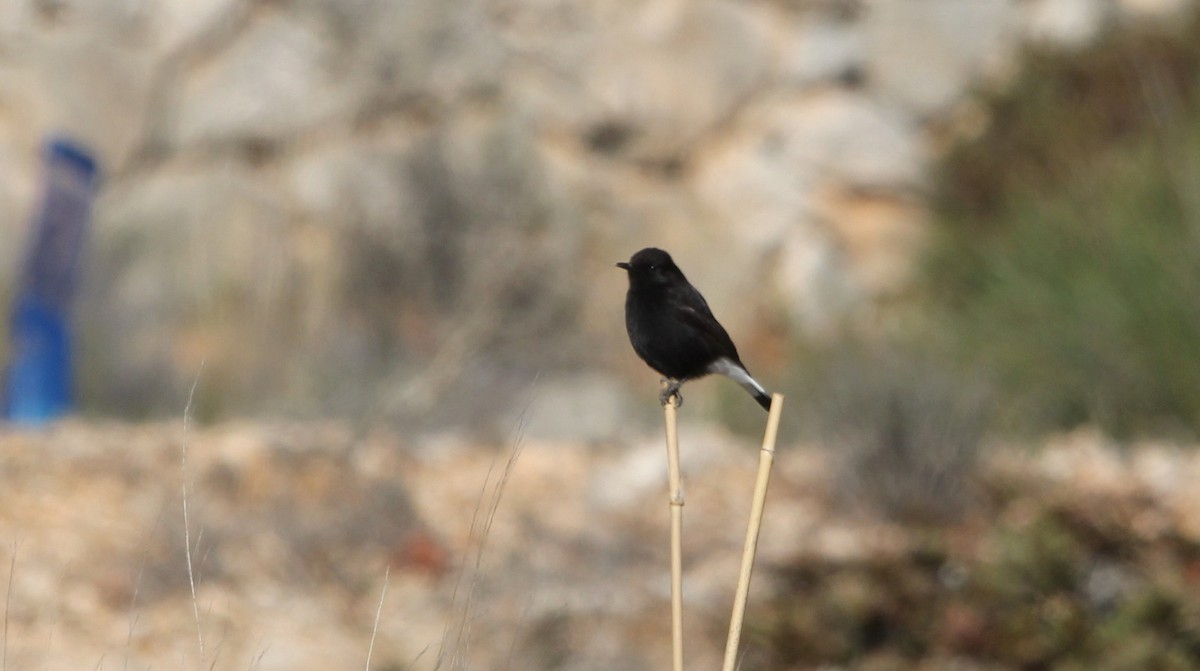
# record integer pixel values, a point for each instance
(373, 206)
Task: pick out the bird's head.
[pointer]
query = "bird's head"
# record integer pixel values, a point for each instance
(652, 267)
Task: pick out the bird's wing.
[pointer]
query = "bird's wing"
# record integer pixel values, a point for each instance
(693, 310)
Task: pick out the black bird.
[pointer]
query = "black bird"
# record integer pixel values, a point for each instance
(672, 329)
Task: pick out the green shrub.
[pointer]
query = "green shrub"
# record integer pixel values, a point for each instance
(1067, 260)
(1053, 582)
(904, 431)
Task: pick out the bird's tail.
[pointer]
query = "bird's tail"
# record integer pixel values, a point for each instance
(738, 373)
(759, 394)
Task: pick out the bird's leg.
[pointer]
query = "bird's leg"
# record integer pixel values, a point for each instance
(671, 388)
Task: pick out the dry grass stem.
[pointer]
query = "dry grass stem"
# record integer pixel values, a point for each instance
(12, 568)
(387, 572)
(492, 492)
(675, 501)
(187, 537)
(766, 458)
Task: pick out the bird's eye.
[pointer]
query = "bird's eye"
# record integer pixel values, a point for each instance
(652, 267)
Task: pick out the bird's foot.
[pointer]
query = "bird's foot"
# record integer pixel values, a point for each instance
(671, 388)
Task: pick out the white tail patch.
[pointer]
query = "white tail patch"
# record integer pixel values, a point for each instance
(731, 370)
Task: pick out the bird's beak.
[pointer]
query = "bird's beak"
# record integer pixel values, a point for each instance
(622, 265)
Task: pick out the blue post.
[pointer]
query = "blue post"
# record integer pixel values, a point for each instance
(38, 381)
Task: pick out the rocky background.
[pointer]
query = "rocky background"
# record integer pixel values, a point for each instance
(308, 540)
(370, 207)
(376, 239)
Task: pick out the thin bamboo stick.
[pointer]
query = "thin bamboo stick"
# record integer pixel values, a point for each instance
(675, 501)
(766, 458)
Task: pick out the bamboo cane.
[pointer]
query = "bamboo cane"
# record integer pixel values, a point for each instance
(766, 458)
(675, 501)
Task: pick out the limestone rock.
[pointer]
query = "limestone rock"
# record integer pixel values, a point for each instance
(925, 54)
(281, 77)
(375, 205)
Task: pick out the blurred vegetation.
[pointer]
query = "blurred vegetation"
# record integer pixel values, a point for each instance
(1060, 581)
(1067, 256)
(431, 291)
(902, 421)
(906, 431)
